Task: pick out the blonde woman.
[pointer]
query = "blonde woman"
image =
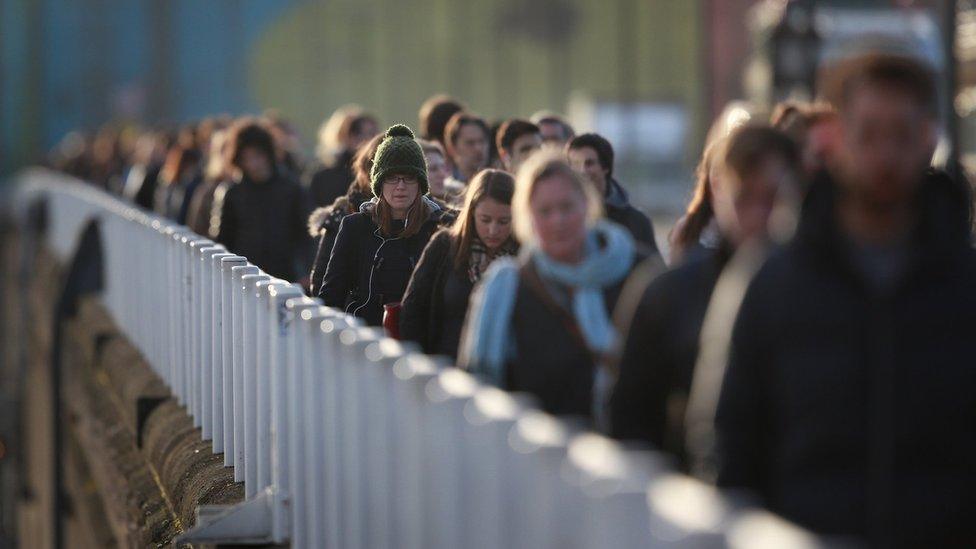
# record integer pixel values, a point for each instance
(542, 324)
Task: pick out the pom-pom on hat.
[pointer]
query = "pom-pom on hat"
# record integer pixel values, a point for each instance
(399, 154)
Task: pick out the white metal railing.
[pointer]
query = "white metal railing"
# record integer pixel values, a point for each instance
(345, 438)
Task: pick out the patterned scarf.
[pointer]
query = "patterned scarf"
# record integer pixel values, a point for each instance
(481, 257)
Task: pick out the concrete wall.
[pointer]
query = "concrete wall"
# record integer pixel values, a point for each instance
(135, 469)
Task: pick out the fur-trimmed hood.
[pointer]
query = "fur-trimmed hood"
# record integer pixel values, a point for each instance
(327, 218)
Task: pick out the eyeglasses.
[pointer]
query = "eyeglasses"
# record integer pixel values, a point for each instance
(397, 179)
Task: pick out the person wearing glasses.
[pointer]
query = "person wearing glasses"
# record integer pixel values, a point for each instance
(376, 250)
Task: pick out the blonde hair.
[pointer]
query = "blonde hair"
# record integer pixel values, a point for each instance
(543, 165)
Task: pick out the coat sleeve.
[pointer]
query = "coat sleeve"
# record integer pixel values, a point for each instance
(340, 273)
(740, 426)
(415, 314)
(226, 232)
(638, 405)
(326, 240)
(304, 245)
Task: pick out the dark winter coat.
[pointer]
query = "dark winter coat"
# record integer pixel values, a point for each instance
(323, 225)
(552, 360)
(620, 211)
(265, 222)
(659, 354)
(367, 270)
(327, 183)
(436, 300)
(849, 408)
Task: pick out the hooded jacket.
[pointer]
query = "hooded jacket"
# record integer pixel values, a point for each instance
(367, 270)
(850, 406)
(620, 211)
(323, 225)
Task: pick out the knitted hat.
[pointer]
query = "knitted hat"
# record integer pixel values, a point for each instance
(399, 154)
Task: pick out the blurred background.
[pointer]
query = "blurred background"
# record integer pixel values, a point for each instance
(649, 74)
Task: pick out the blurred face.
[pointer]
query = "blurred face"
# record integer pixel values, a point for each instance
(559, 218)
(471, 149)
(821, 146)
(367, 129)
(255, 164)
(553, 134)
(887, 143)
(522, 149)
(400, 192)
(585, 161)
(437, 172)
(744, 204)
(493, 222)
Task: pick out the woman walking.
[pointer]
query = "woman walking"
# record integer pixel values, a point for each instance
(436, 300)
(542, 324)
(377, 248)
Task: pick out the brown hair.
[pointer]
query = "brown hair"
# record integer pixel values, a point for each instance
(416, 216)
(458, 121)
(435, 114)
(749, 146)
(362, 164)
(543, 165)
(699, 211)
(512, 129)
(894, 72)
(489, 183)
(795, 119)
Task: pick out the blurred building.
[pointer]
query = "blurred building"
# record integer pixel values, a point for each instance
(77, 63)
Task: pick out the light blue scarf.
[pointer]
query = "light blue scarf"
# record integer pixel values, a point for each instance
(487, 343)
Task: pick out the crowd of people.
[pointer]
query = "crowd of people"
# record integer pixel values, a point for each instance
(807, 342)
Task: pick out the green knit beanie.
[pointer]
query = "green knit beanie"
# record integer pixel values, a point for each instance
(399, 154)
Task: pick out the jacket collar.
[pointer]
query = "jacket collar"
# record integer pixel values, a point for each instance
(615, 196)
(941, 233)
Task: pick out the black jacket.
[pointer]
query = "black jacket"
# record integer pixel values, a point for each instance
(659, 354)
(851, 409)
(551, 359)
(436, 300)
(620, 211)
(323, 225)
(327, 183)
(367, 270)
(265, 222)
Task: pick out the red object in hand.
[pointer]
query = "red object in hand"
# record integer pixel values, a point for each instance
(391, 319)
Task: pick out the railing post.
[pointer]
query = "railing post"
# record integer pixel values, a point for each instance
(205, 340)
(411, 475)
(539, 444)
(380, 457)
(299, 310)
(252, 341)
(447, 395)
(487, 466)
(218, 304)
(279, 370)
(224, 356)
(191, 324)
(326, 407)
(352, 437)
(612, 485)
(240, 301)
